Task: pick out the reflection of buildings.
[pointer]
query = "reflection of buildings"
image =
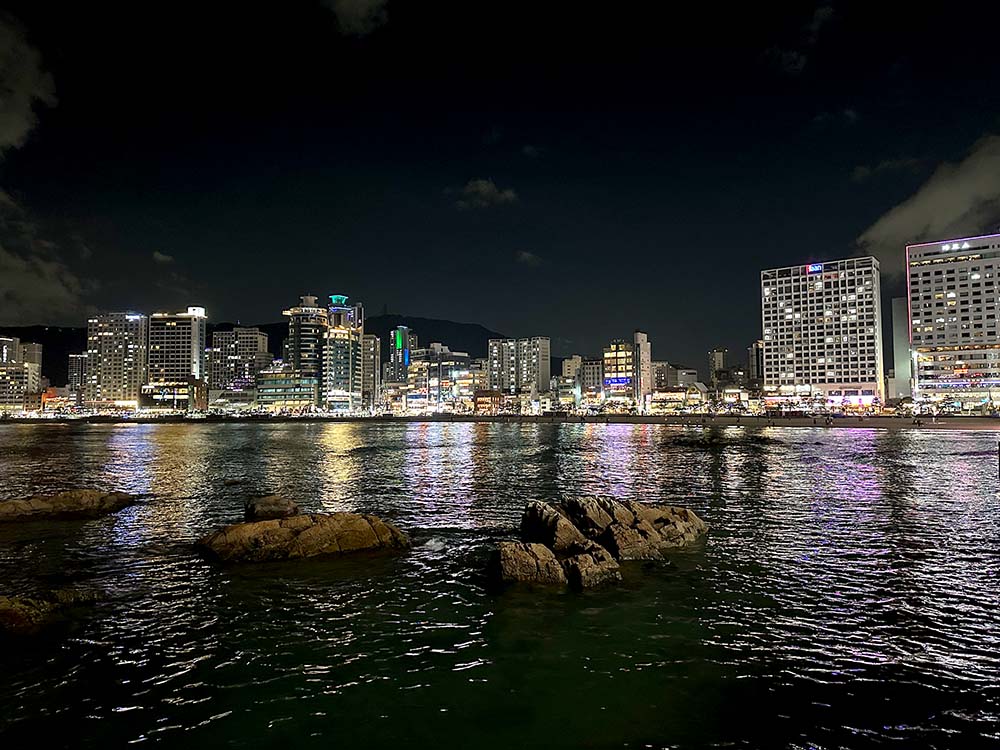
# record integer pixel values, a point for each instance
(823, 331)
(953, 297)
(116, 358)
(177, 375)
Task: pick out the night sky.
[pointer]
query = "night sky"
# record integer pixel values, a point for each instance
(560, 169)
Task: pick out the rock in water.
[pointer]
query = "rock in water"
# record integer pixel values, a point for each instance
(65, 505)
(631, 530)
(301, 536)
(270, 506)
(590, 565)
(21, 615)
(546, 524)
(525, 562)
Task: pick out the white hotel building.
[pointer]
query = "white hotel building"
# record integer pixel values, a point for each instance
(953, 297)
(822, 332)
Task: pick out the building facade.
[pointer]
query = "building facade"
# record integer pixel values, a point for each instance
(401, 342)
(755, 364)
(77, 373)
(954, 340)
(643, 363)
(116, 358)
(519, 365)
(236, 357)
(371, 370)
(822, 332)
(19, 383)
(177, 376)
(900, 384)
(342, 365)
(619, 371)
(284, 388)
(10, 349)
(307, 324)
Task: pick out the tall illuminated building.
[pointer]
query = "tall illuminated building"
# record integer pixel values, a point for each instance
(822, 332)
(177, 376)
(10, 349)
(954, 339)
(236, 357)
(77, 373)
(755, 363)
(571, 366)
(401, 342)
(717, 360)
(31, 353)
(307, 324)
(116, 358)
(342, 360)
(592, 376)
(371, 370)
(643, 364)
(519, 365)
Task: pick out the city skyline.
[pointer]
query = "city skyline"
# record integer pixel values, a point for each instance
(505, 194)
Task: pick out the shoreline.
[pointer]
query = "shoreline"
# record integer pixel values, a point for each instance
(692, 420)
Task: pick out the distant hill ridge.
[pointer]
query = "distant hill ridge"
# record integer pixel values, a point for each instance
(59, 342)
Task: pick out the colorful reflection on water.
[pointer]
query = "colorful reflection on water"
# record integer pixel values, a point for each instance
(846, 595)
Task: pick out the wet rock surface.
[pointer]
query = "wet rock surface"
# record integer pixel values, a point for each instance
(587, 538)
(70, 504)
(301, 536)
(268, 507)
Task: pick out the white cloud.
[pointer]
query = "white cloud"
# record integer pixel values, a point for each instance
(23, 83)
(958, 199)
(863, 172)
(162, 258)
(359, 17)
(483, 194)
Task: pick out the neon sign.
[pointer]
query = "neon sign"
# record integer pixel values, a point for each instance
(814, 268)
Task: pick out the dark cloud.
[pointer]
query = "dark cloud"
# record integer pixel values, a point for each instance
(532, 152)
(528, 259)
(958, 199)
(23, 84)
(36, 285)
(794, 58)
(162, 258)
(863, 172)
(493, 136)
(484, 194)
(846, 116)
(358, 17)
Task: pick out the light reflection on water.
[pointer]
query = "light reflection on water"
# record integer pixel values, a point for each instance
(845, 596)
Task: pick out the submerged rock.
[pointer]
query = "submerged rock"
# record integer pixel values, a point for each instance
(270, 506)
(66, 505)
(525, 562)
(301, 536)
(20, 615)
(587, 537)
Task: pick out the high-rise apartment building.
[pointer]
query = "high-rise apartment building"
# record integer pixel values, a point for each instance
(953, 298)
(664, 375)
(18, 381)
(716, 361)
(571, 366)
(900, 384)
(177, 376)
(116, 357)
(822, 328)
(371, 370)
(341, 389)
(519, 365)
(236, 357)
(307, 324)
(592, 376)
(643, 362)
(77, 372)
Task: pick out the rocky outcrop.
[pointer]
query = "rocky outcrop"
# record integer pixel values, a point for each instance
(525, 562)
(268, 507)
(20, 615)
(588, 537)
(300, 537)
(65, 505)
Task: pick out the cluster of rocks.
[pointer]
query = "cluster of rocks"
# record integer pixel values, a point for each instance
(581, 541)
(71, 504)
